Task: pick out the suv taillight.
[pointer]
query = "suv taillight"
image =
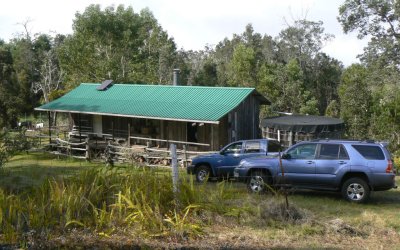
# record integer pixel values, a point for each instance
(389, 168)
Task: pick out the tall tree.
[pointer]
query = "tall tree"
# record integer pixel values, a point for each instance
(326, 78)
(241, 68)
(50, 74)
(201, 67)
(284, 87)
(25, 65)
(118, 44)
(303, 40)
(10, 106)
(379, 19)
(355, 101)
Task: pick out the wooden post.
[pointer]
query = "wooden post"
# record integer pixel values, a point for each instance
(69, 149)
(48, 113)
(212, 137)
(112, 127)
(283, 179)
(185, 156)
(109, 160)
(129, 134)
(87, 155)
(174, 165)
(162, 135)
(79, 120)
(55, 124)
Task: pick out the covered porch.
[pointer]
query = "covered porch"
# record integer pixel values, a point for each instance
(129, 131)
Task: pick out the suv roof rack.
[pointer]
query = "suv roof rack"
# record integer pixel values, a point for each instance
(343, 140)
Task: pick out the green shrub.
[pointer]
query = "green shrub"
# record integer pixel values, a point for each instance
(140, 200)
(5, 149)
(11, 144)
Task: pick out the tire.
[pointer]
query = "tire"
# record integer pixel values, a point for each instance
(355, 190)
(202, 173)
(258, 182)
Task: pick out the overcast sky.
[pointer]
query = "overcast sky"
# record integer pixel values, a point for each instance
(193, 24)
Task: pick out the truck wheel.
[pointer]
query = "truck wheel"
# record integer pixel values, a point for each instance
(355, 190)
(202, 173)
(258, 182)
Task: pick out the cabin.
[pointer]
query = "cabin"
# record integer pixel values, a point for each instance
(290, 129)
(202, 118)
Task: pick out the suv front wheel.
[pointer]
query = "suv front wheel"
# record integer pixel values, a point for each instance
(356, 190)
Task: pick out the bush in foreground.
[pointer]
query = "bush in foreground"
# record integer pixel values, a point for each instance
(105, 200)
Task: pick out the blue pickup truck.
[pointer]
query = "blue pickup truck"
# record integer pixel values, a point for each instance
(222, 164)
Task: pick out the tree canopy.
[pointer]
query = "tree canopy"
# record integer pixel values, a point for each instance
(118, 44)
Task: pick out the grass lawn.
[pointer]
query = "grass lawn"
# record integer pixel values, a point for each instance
(229, 216)
(31, 170)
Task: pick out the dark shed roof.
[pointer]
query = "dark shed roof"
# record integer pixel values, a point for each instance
(304, 123)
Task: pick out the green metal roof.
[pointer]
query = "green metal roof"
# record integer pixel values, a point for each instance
(186, 103)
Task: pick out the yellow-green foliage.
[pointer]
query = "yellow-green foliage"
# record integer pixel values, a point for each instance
(104, 199)
(396, 160)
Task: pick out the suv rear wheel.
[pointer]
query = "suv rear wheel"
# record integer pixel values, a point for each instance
(258, 182)
(356, 190)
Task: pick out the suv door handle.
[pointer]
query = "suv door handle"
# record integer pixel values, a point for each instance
(342, 162)
(310, 162)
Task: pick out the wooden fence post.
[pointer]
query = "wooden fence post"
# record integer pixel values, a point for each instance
(49, 127)
(87, 152)
(129, 134)
(69, 149)
(174, 165)
(185, 156)
(109, 155)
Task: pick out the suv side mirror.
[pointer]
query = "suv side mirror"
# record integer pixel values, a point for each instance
(286, 156)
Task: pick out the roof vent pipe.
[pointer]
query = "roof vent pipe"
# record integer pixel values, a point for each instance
(176, 77)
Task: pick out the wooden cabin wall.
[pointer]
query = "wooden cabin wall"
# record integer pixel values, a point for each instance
(243, 121)
(203, 133)
(174, 130)
(223, 133)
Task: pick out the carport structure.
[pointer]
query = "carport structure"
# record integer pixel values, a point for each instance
(293, 128)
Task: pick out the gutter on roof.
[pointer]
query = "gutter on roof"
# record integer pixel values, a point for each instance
(130, 116)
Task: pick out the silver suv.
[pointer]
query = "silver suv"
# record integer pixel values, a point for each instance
(355, 168)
